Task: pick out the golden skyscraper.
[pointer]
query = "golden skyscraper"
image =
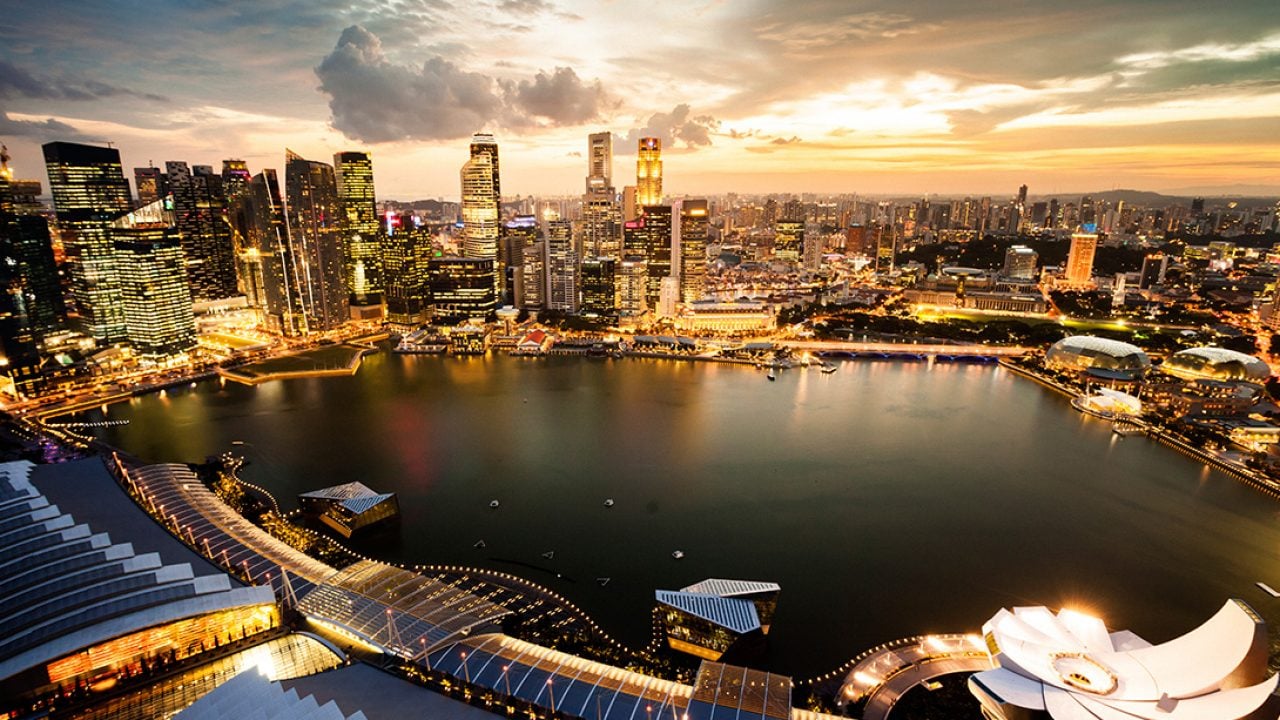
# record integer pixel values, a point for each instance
(649, 172)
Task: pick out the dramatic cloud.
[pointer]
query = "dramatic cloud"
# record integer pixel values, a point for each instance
(376, 100)
(678, 125)
(561, 97)
(15, 82)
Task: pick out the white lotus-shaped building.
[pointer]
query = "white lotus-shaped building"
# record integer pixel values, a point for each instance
(1066, 666)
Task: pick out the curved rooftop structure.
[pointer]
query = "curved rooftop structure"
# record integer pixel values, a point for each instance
(1087, 353)
(1215, 363)
(70, 591)
(1067, 666)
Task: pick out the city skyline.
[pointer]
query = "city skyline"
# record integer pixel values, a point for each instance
(821, 97)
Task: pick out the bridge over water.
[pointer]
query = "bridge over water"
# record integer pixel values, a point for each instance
(918, 350)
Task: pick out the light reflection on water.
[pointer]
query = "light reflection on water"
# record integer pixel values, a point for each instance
(888, 498)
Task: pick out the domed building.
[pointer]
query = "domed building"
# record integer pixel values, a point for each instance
(1213, 363)
(1109, 359)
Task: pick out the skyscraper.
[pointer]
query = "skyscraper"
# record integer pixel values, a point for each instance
(405, 253)
(266, 262)
(89, 192)
(200, 215)
(484, 144)
(315, 239)
(788, 239)
(31, 303)
(1154, 267)
(359, 226)
(1020, 263)
(633, 278)
(461, 289)
(480, 204)
(600, 162)
(601, 213)
(153, 283)
(690, 238)
(649, 172)
(562, 268)
(1080, 259)
(649, 237)
(599, 287)
(150, 183)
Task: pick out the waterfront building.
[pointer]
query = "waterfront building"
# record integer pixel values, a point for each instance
(200, 217)
(267, 265)
(315, 240)
(235, 185)
(1080, 259)
(633, 279)
(480, 204)
(89, 192)
(353, 172)
(1069, 666)
(599, 287)
(350, 509)
(96, 591)
(519, 233)
(150, 183)
(1213, 363)
(461, 289)
(1020, 263)
(728, 318)
(649, 172)
(689, 244)
(153, 284)
(1100, 357)
(714, 617)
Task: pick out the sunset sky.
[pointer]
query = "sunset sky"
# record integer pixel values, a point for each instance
(748, 96)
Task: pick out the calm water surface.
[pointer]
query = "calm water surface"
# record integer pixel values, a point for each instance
(888, 499)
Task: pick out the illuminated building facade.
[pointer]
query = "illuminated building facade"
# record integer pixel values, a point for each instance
(406, 250)
(31, 303)
(350, 509)
(601, 226)
(153, 283)
(363, 267)
(731, 318)
(599, 287)
(89, 192)
(150, 183)
(1020, 263)
(200, 217)
(788, 240)
(461, 289)
(1154, 267)
(886, 247)
(562, 268)
(716, 617)
(649, 172)
(649, 237)
(235, 185)
(517, 235)
(266, 263)
(315, 237)
(532, 291)
(480, 205)
(689, 242)
(599, 162)
(633, 279)
(1080, 259)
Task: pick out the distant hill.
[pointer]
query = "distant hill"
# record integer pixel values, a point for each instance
(1146, 198)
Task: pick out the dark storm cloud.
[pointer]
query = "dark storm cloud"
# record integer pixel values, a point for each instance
(17, 82)
(41, 130)
(376, 100)
(680, 124)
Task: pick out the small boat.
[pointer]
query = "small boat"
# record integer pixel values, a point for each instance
(603, 581)
(771, 376)
(828, 369)
(479, 544)
(494, 504)
(677, 554)
(608, 502)
(1268, 589)
(549, 554)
